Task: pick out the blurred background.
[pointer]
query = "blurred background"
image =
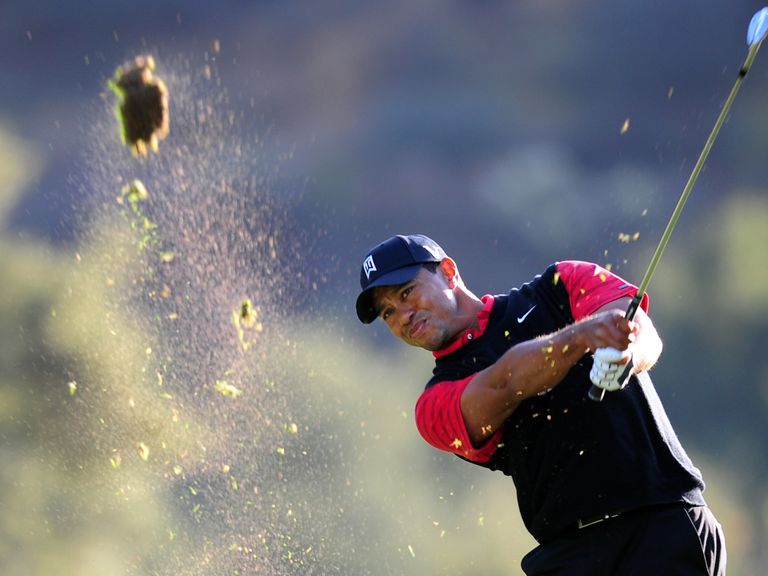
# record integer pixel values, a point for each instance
(145, 430)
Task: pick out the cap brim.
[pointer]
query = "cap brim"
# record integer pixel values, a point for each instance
(366, 311)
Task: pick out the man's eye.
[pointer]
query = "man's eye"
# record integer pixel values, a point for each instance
(386, 314)
(404, 294)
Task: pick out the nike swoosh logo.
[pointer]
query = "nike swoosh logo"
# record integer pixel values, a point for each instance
(521, 319)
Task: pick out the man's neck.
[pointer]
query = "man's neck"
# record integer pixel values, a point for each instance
(469, 307)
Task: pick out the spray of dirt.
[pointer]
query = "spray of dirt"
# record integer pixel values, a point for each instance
(191, 268)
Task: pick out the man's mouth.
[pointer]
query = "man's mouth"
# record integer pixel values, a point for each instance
(417, 329)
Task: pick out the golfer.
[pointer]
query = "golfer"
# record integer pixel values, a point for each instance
(604, 487)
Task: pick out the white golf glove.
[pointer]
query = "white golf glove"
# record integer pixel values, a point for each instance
(606, 373)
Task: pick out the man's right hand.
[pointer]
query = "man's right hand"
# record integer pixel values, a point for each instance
(607, 328)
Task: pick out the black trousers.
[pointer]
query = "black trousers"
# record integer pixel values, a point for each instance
(677, 540)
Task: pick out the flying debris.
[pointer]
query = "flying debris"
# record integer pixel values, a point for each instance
(142, 109)
(624, 127)
(245, 320)
(134, 192)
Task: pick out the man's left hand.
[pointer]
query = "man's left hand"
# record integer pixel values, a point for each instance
(611, 368)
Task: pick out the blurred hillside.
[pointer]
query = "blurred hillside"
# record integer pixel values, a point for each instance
(515, 134)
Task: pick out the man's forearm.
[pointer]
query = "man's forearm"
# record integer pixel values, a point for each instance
(534, 367)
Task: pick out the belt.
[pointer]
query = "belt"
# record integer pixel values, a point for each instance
(592, 520)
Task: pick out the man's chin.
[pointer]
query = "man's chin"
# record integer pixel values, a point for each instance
(430, 345)
(417, 344)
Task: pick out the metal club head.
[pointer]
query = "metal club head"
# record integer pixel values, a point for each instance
(758, 26)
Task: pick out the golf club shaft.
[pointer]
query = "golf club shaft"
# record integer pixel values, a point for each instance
(595, 392)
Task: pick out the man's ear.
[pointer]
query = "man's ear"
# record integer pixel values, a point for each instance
(450, 272)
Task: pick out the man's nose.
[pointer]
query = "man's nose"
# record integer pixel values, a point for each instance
(404, 314)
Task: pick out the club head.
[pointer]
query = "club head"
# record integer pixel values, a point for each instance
(757, 27)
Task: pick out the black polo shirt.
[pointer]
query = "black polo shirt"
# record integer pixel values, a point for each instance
(570, 458)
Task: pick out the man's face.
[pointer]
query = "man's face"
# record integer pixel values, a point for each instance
(421, 312)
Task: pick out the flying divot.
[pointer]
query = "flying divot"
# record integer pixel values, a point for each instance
(142, 110)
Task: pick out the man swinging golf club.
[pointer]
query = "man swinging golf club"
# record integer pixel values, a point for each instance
(605, 488)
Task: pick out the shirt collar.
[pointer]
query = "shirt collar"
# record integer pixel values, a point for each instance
(468, 335)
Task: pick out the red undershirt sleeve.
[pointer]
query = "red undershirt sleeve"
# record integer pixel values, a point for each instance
(441, 424)
(590, 287)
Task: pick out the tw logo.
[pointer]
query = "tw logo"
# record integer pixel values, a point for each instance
(368, 267)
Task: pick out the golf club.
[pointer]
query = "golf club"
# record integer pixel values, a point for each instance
(758, 27)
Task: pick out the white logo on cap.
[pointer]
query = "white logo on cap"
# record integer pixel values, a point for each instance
(368, 267)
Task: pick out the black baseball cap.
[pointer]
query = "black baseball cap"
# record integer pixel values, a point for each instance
(395, 261)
